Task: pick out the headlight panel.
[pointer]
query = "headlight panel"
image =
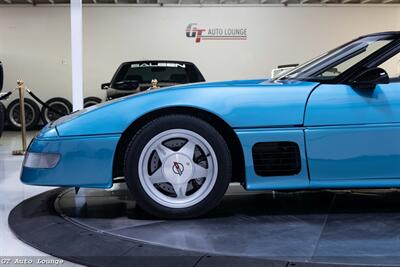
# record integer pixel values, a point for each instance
(41, 160)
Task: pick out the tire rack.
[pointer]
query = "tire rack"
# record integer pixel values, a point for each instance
(43, 103)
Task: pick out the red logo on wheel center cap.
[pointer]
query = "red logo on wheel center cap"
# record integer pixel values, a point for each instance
(178, 168)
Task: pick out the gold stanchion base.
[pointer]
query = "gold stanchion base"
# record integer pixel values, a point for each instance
(18, 152)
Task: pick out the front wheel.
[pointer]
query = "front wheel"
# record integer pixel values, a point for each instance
(178, 166)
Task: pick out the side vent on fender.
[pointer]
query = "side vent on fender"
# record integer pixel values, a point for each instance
(276, 158)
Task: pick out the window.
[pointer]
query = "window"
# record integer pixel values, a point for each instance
(330, 65)
(164, 72)
(361, 53)
(392, 67)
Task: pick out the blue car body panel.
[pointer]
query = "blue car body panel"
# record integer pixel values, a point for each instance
(338, 104)
(353, 134)
(47, 132)
(85, 161)
(243, 104)
(354, 152)
(249, 137)
(347, 138)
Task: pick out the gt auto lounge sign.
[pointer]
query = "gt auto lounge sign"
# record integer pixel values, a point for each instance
(216, 34)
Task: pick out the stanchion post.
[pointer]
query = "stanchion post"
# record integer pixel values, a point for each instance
(21, 90)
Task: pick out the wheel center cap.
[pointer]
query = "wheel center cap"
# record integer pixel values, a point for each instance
(178, 168)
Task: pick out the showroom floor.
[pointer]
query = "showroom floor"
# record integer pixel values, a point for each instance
(12, 192)
(285, 228)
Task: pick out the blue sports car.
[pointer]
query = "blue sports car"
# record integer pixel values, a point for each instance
(333, 122)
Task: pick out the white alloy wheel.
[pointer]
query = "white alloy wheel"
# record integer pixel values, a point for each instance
(178, 168)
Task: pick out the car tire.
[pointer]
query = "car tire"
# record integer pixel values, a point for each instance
(60, 104)
(189, 161)
(91, 101)
(32, 114)
(2, 117)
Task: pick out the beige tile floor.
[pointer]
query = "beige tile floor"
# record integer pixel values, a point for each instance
(12, 192)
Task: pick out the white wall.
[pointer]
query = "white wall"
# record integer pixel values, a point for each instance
(35, 42)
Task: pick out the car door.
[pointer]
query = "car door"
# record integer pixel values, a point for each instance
(354, 134)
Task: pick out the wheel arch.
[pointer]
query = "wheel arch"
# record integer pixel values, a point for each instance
(218, 123)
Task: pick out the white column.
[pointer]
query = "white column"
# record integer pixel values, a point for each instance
(76, 54)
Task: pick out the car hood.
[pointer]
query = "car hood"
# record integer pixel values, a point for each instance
(242, 104)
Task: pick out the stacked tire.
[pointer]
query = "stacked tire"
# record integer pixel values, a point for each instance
(91, 101)
(53, 109)
(32, 114)
(59, 107)
(63, 107)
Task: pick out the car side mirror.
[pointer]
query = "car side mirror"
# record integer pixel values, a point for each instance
(105, 86)
(126, 85)
(368, 79)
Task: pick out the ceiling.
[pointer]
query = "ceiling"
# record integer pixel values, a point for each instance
(202, 2)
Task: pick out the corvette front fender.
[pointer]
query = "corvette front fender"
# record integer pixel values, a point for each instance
(254, 105)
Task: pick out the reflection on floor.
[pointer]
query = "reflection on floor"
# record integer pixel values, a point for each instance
(341, 227)
(12, 192)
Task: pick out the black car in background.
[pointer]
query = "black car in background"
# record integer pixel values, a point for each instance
(136, 76)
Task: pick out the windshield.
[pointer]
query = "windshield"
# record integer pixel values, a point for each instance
(333, 63)
(164, 72)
